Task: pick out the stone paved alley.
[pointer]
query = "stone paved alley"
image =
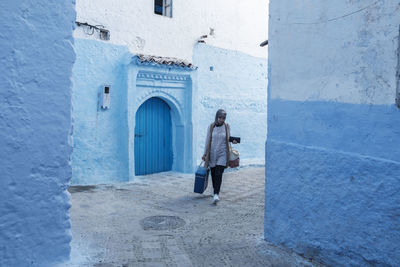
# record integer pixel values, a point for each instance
(112, 225)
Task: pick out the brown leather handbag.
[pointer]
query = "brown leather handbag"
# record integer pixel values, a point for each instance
(234, 158)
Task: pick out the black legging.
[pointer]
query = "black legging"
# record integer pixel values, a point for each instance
(216, 175)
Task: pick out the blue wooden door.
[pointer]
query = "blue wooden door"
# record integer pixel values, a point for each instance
(153, 137)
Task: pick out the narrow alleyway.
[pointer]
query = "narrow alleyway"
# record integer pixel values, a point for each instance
(113, 225)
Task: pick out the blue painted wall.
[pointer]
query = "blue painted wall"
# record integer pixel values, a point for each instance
(363, 129)
(100, 135)
(104, 139)
(236, 82)
(332, 157)
(332, 181)
(35, 123)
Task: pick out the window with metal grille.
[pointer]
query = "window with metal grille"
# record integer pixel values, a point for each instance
(163, 7)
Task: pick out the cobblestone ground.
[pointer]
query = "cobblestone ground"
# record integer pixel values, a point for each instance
(112, 225)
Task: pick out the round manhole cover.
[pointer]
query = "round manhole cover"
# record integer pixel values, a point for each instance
(161, 222)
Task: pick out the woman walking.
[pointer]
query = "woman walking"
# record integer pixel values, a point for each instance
(216, 152)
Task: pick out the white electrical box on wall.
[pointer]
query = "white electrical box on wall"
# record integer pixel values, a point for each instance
(106, 97)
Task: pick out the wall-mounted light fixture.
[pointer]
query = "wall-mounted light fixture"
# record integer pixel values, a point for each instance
(264, 43)
(212, 31)
(106, 97)
(103, 33)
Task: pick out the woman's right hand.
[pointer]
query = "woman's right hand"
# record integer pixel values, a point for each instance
(204, 157)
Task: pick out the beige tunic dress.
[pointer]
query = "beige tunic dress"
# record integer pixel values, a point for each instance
(218, 148)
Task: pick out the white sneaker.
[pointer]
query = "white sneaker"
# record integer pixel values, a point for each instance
(216, 198)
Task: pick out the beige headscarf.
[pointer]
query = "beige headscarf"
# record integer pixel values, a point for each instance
(220, 113)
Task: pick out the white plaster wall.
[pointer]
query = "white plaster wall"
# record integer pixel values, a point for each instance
(238, 25)
(342, 51)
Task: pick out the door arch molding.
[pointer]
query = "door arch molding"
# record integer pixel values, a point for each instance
(175, 88)
(172, 102)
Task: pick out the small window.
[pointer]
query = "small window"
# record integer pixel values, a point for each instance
(163, 7)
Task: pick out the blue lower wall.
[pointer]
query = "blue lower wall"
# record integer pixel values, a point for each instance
(366, 129)
(332, 181)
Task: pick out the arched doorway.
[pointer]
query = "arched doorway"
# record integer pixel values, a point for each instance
(153, 137)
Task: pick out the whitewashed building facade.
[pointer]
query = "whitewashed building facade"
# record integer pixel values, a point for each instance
(182, 58)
